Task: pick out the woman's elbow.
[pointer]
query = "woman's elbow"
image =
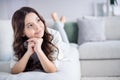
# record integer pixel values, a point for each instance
(52, 70)
(16, 71)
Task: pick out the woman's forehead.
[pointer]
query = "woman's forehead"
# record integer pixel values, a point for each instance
(30, 17)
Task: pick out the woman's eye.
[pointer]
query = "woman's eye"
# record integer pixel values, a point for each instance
(38, 20)
(29, 26)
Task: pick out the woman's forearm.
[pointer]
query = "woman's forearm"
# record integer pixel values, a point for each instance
(21, 64)
(47, 65)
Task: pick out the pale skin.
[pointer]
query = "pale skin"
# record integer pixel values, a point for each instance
(34, 30)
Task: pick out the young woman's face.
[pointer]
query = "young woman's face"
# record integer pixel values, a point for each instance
(34, 27)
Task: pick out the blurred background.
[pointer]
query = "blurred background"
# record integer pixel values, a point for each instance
(72, 9)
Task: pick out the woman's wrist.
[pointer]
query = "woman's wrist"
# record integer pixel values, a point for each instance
(39, 51)
(28, 53)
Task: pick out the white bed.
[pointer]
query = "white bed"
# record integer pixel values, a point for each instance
(69, 69)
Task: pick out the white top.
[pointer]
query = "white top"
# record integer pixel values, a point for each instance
(57, 42)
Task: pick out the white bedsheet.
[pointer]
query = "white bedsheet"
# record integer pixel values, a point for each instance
(69, 70)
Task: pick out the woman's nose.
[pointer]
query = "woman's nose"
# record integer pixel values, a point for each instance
(37, 26)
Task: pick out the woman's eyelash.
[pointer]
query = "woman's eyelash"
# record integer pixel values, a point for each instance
(30, 24)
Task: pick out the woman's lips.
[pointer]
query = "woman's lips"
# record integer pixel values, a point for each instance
(39, 33)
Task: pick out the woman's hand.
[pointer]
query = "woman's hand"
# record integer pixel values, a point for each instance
(47, 65)
(37, 44)
(30, 48)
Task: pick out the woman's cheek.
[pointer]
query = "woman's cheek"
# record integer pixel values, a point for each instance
(30, 34)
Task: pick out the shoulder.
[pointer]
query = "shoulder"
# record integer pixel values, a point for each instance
(52, 31)
(56, 35)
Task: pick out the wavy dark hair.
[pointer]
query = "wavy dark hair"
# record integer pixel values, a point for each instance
(18, 23)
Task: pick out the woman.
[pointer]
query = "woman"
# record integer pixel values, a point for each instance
(35, 48)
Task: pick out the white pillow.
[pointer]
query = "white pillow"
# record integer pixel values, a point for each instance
(5, 66)
(90, 29)
(112, 28)
(6, 40)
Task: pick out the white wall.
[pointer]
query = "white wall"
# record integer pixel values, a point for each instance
(72, 9)
(8, 7)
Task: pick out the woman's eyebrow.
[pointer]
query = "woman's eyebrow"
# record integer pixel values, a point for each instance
(31, 22)
(37, 18)
(27, 24)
